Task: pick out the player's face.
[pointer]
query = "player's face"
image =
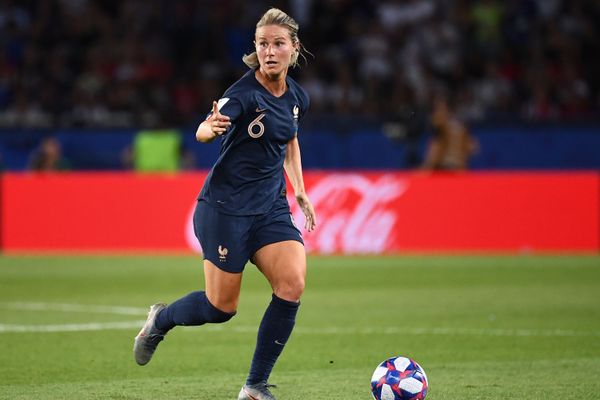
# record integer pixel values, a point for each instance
(274, 49)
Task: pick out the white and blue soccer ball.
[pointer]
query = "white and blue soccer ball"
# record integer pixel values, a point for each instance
(399, 378)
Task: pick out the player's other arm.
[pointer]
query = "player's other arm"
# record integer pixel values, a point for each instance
(215, 125)
(293, 169)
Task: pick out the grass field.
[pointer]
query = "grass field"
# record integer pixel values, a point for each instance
(523, 327)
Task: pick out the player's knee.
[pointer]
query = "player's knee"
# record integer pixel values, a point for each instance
(222, 316)
(215, 315)
(291, 290)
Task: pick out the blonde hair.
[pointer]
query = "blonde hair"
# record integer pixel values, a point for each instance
(275, 16)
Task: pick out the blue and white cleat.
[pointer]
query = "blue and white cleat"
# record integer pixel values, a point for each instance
(149, 337)
(260, 391)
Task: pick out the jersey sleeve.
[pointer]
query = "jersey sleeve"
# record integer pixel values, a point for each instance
(229, 106)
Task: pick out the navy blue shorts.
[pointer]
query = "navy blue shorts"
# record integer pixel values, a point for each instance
(229, 241)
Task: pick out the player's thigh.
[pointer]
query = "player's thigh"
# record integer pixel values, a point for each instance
(222, 287)
(224, 238)
(284, 266)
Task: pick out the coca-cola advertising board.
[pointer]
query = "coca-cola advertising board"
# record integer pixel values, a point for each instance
(358, 212)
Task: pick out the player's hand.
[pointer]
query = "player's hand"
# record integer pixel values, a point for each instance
(308, 210)
(218, 122)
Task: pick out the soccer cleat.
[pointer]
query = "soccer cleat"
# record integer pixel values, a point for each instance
(149, 337)
(259, 391)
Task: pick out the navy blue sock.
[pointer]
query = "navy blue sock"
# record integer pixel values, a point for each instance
(274, 331)
(193, 309)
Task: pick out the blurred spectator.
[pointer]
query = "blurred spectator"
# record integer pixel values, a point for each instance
(48, 156)
(131, 63)
(451, 145)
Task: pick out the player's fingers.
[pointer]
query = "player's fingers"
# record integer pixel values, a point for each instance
(310, 224)
(219, 128)
(223, 123)
(216, 114)
(216, 109)
(313, 222)
(220, 125)
(314, 218)
(311, 218)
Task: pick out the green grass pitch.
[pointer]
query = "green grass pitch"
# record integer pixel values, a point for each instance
(509, 327)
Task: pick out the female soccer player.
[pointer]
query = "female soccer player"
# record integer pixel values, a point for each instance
(242, 212)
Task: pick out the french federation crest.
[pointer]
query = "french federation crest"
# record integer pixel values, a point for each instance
(223, 253)
(296, 111)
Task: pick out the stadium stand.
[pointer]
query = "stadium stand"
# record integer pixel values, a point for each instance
(114, 66)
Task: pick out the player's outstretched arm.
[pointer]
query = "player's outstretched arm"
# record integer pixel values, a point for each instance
(213, 126)
(293, 169)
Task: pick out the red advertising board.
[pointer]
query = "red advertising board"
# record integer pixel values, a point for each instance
(358, 212)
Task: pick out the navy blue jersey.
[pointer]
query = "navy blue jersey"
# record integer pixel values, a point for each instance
(248, 176)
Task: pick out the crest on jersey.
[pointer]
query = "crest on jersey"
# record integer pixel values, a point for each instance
(295, 112)
(223, 253)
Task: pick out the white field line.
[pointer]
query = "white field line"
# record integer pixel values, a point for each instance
(100, 326)
(72, 308)
(118, 310)
(97, 326)
(92, 326)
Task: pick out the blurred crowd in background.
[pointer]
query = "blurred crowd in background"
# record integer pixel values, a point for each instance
(151, 64)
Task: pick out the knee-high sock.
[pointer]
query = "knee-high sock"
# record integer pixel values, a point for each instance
(274, 331)
(192, 309)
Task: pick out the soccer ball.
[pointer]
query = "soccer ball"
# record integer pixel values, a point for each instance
(399, 378)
